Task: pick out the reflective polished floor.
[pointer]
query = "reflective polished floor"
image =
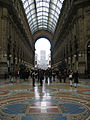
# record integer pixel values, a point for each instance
(19, 100)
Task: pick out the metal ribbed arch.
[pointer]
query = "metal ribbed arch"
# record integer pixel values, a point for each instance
(44, 25)
(54, 22)
(42, 6)
(41, 11)
(42, 14)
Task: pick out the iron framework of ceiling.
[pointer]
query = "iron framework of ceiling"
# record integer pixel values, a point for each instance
(42, 14)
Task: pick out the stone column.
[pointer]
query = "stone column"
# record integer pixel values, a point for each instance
(81, 42)
(3, 40)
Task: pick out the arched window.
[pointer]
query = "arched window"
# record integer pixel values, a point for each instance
(42, 53)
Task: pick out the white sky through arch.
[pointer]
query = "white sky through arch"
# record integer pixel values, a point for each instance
(42, 44)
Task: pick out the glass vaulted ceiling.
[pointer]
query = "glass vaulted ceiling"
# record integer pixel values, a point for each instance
(42, 14)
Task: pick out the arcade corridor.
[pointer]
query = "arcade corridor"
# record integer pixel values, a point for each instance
(66, 24)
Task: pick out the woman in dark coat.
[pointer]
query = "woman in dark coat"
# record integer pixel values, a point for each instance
(41, 76)
(71, 77)
(76, 78)
(33, 77)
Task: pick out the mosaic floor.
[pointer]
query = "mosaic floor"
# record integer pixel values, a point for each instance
(53, 101)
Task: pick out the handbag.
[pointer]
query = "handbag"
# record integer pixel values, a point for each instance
(70, 76)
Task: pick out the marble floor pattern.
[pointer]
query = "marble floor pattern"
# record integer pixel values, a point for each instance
(19, 100)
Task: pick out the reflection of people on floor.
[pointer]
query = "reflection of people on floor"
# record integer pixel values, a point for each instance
(75, 78)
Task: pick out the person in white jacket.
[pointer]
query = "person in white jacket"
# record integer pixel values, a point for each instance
(71, 77)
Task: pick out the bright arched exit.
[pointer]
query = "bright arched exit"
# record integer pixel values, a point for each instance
(42, 53)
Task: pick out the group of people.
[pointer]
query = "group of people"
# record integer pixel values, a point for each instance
(72, 75)
(51, 75)
(39, 74)
(46, 75)
(14, 74)
(43, 74)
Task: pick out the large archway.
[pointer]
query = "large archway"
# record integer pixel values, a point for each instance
(88, 58)
(42, 53)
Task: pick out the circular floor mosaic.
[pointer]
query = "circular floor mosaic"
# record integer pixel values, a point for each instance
(52, 90)
(84, 92)
(43, 109)
(2, 92)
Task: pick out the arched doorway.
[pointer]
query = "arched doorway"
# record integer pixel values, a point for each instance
(42, 53)
(88, 58)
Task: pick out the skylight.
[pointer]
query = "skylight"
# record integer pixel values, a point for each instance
(42, 14)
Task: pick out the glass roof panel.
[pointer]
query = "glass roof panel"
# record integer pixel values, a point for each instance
(42, 14)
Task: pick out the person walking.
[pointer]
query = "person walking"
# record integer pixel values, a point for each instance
(46, 76)
(10, 76)
(41, 76)
(53, 75)
(65, 75)
(33, 78)
(76, 78)
(60, 76)
(50, 75)
(71, 77)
